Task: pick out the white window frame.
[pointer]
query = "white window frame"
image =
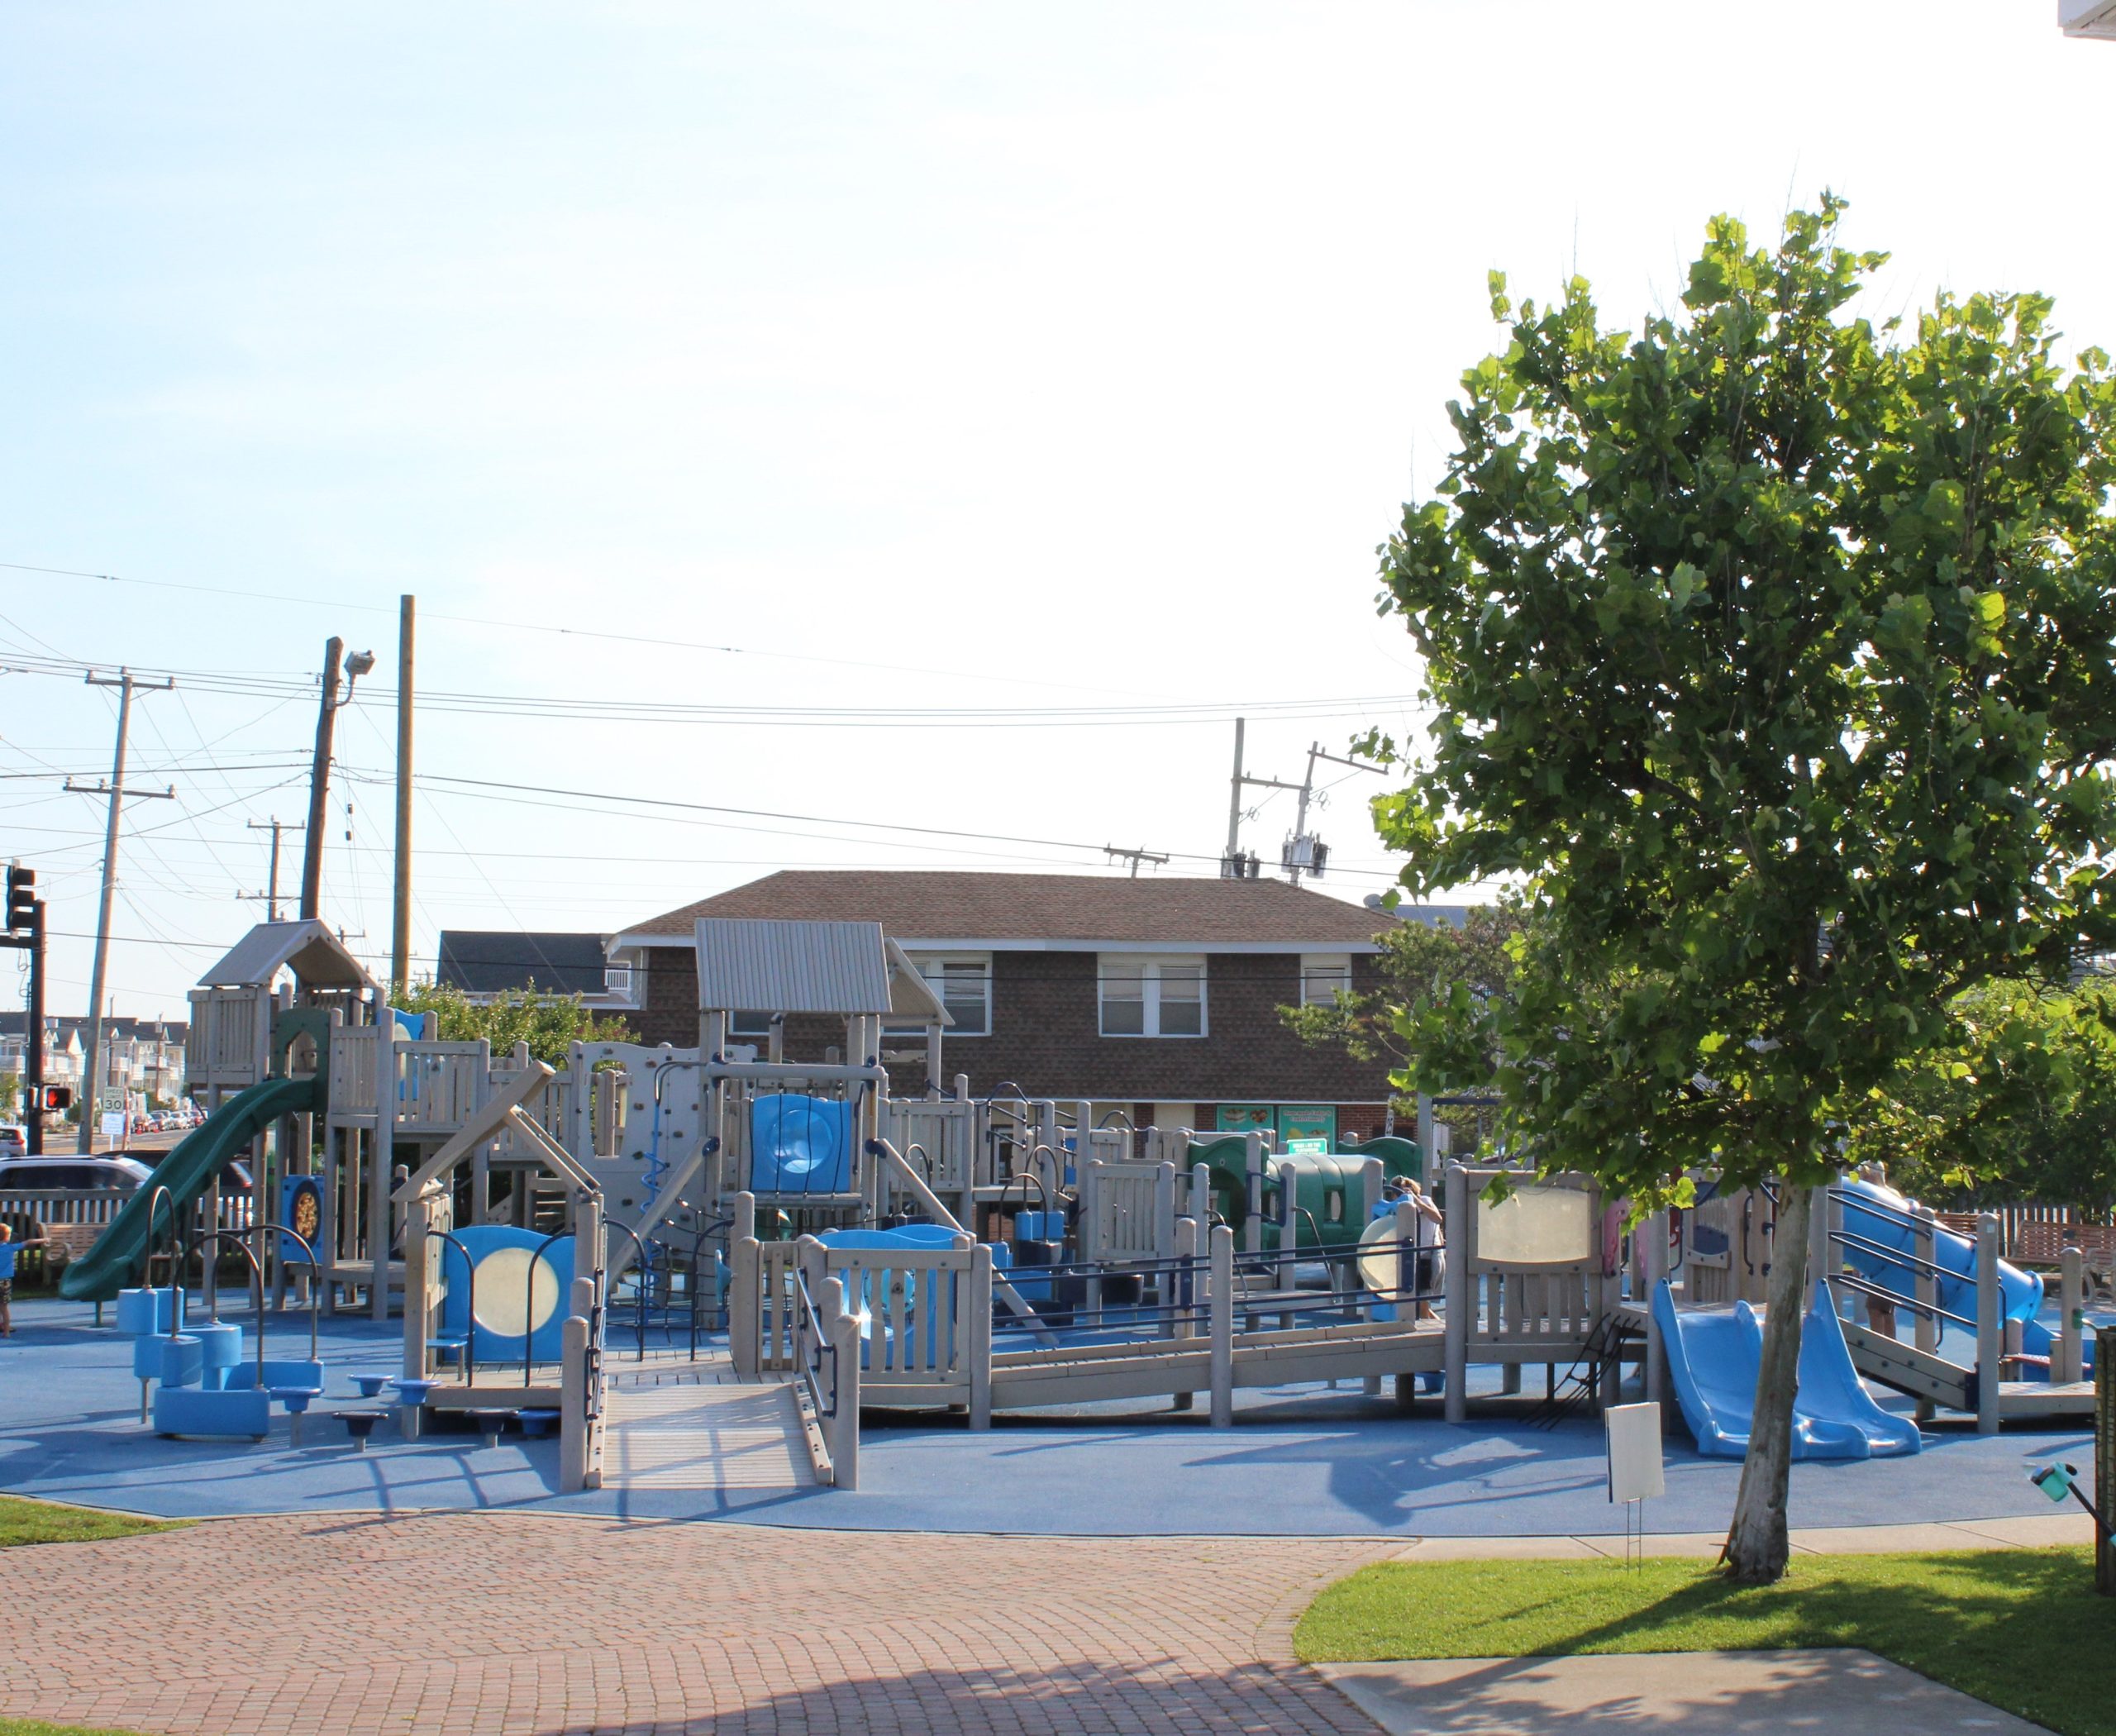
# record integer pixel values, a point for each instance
(1321, 975)
(1146, 970)
(925, 964)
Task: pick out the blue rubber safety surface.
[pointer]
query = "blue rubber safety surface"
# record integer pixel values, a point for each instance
(1299, 1462)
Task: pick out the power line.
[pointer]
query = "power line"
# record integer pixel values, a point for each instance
(574, 707)
(537, 626)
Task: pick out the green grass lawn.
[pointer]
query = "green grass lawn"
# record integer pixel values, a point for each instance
(37, 1726)
(39, 1522)
(2020, 1629)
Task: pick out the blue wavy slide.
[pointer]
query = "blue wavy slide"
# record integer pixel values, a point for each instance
(1713, 1354)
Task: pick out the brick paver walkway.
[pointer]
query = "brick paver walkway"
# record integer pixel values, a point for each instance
(468, 1623)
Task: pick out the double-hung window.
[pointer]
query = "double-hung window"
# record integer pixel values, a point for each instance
(1147, 996)
(1324, 977)
(963, 980)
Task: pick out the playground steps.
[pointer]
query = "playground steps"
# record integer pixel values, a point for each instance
(697, 1435)
(1947, 1385)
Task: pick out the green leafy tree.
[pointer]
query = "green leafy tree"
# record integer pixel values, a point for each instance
(1772, 653)
(2022, 1105)
(1422, 966)
(549, 1023)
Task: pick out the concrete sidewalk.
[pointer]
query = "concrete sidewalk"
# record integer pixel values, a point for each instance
(1696, 1693)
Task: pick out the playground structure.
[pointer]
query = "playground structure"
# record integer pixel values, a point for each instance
(946, 1252)
(1946, 1320)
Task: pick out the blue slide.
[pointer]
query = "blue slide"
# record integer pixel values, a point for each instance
(1713, 1354)
(1882, 1217)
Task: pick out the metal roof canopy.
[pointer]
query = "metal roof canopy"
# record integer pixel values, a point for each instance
(911, 996)
(771, 966)
(316, 957)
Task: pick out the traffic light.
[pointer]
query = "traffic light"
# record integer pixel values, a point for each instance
(22, 899)
(54, 1097)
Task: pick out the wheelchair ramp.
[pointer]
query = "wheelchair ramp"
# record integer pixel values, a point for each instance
(691, 1435)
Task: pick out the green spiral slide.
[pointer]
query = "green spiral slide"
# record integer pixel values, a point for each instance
(186, 1172)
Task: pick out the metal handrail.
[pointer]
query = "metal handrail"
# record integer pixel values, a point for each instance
(1866, 1287)
(1909, 1263)
(642, 1270)
(470, 1303)
(529, 1305)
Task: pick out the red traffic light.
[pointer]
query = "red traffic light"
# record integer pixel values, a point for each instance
(22, 899)
(54, 1097)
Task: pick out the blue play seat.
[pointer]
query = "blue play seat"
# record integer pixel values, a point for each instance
(201, 1410)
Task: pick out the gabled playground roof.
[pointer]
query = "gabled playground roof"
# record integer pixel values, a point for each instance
(316, 957)
(798, 967)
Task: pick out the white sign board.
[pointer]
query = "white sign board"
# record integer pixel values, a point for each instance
(1635, 1467)
(113, 1126)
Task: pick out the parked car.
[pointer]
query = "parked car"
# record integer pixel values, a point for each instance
(14, 1142)
(56, 1175)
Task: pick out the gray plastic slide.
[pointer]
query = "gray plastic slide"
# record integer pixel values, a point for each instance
(1713, 1354)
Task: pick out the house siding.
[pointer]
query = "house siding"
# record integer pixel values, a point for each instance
(1046, 1036)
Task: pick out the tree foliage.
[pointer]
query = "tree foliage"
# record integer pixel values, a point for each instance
(1773, 655)
(2020, 1105)
(1775, 658)
(549, 1023)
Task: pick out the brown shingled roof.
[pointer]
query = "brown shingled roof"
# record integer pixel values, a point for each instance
(921, 905)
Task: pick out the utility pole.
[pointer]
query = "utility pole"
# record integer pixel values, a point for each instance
(319, 772)
(92, 1062)
(1231, 864)
(1135, 856)
(400, 898)
(270, 894)
(1300, 859)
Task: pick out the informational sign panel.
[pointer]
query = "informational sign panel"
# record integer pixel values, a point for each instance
(1308, 1148)
(1635, 1466)
(113, 1125)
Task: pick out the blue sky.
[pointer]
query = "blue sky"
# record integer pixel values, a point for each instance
(945, 356)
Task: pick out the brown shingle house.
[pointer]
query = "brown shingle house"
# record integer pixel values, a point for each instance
(1160, 997)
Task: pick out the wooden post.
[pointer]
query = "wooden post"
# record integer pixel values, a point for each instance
(1460, 1236)
(2104, 1454)
(1990, 1335)
(1164, 1210)
(382, 1157)
(1822, 1252)
(1925, 1288)
(1370, 1195)
(1223, 1328)
(1183, 1294)
(842, 1427)
(743, 1300)
(573, 1406)
(2069, 1361)
(1201, 1194)
(1649, 1253)
(978, 1339)
(1089, 1172)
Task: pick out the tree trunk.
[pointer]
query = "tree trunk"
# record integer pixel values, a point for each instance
(1756, 1544)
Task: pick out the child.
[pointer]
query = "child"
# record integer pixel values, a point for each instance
(9, 1247)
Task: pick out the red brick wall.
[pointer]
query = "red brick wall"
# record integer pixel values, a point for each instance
(1046, 1036)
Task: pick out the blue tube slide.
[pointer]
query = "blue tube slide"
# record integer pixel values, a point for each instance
(1713, 1354)
(1882, 1217)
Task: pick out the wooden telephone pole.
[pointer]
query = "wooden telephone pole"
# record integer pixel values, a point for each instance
(92, 1062)
(400, 902)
